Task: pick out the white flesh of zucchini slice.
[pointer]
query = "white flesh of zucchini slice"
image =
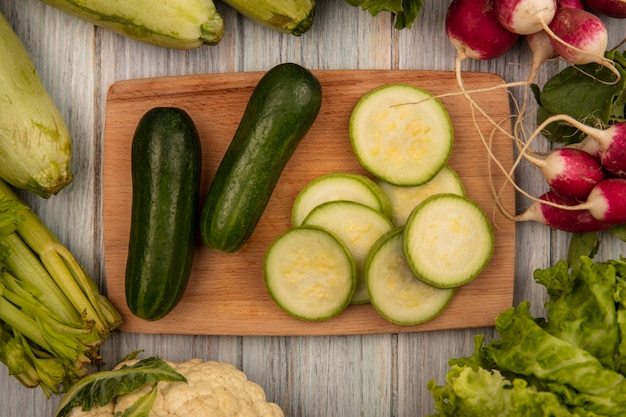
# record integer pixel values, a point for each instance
(405, 199)
(395, 292)
(339, 186)
(309, 273)
(448, 240)
(358, 227)
(401, 134)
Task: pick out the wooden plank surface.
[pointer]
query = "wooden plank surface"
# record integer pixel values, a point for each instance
(226, 294)
(382, 375)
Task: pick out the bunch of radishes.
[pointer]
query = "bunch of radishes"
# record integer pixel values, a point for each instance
(587, 181)
(486, 29)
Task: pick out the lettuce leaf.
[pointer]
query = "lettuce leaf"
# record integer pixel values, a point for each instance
(526, 348)
(581, 307)
(480, 392)
(405, 11)
(571, 363)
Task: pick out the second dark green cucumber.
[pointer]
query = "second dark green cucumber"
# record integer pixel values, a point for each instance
(281, 110)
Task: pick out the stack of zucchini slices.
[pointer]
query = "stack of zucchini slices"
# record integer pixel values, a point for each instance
(403, 236)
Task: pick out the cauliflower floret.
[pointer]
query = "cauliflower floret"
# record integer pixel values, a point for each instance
(103, 411)
(213, 388)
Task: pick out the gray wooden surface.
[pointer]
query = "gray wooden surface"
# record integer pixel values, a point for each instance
(344, 376)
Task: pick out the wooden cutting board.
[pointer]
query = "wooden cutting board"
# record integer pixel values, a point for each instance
(226, 294)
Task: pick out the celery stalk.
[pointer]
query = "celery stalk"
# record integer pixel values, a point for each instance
(25, 265)
(65, 271)
(12, 353)
(287, 16)
(52, 316)
(14, 317)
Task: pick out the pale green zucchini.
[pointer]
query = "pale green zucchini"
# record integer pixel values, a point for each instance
(287, 16)
(176, 24)
(35, 144)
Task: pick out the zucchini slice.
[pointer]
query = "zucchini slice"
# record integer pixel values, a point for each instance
(395, 292)
(401, 134)
(358, 227)
(404, 199)
(339, 186)
(448, 240)
(309, 273)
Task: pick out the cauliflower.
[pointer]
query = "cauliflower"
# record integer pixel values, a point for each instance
(212, 389)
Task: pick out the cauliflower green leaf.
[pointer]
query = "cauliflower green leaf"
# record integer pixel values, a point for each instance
(101, 388)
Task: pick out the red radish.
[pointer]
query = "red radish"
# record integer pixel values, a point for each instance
(611, 142)
(574, 221)
(525, 17)
(612, 8)
(474, 30)
(589, 145)
(572, 4)
(607, 201)
(579, 37)
(542, 50)
(570, 172)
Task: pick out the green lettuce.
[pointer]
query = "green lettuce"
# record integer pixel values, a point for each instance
(525, 348)
(581, 307)
(487, 393)
(570, 363)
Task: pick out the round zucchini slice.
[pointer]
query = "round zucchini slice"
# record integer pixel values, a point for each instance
(395, 292)
(309, 273)
(401, 134)
(339, 186)
(405, 199)
(448, 240)
(358, 227)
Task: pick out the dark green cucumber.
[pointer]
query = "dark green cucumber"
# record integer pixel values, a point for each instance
(166, 167)
(281, 110)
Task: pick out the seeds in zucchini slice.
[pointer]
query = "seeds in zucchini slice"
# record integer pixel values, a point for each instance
(401, 134)
(448, 240)
(395, 292)
(309, 273)
(339, 186)
(405, 199)
(358, 227)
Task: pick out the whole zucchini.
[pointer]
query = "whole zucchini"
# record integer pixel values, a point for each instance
(287, 16)
(35, 144)
(176, 24)
(166, 161)
(281, 110)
